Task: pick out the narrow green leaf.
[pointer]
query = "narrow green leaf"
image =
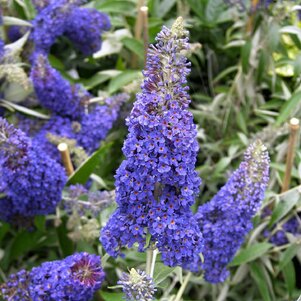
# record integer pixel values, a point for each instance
(112, 296)
(286, 203)
(245, 54)
(288, 107)
(289, 275)
(164, 7)
(119, 7)
(134, 45)
(82, 173)
(161, 272)
(221, 165)
(24, 110)
(99, 78)
(123, 79)
(251, 253)
(257, 273)
(288, 255)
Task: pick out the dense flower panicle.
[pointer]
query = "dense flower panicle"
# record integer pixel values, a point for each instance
(50, 23)
(56, 126)
(75, 278)
(1, 48)
(56, 93)
(88, 131)
(31, 180)
(137, 285)
(83, 26)
(16, 32)
(292, 226)
(30, 126)
(157, 183)
(16, 287)
(95, 125)
(227, 218)
(82, 201)
(84, 29)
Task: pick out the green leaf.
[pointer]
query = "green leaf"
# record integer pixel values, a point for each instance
(161, 272)
(118, 7)
(251, 253)
(289, 275)
(112, 296)
(198, 7)
(288, 255)
(213, 9)
(23, 243)
(221, 165)
(123, 79)
(258, 274)
(286, 203)
(66, 244)
(99, 78)
(39, 222)
(134, 45)
(10, 21)
(24, 110)
(288, 107)
(82, 173)
(163, 7)
(4, 228)
(245, 54)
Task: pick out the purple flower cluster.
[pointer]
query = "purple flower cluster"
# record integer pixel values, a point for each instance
(292, 226)
(279, 238)
(156, 184)
(83, 26)
(95, 125)
(82, 201)
(88, 130)
(227, 218)
(30, 179)
(1, 48)
(137, 285)
(84, 29)
(75, 278)
(55, 92)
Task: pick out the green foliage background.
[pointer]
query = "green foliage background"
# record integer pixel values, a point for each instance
(245, 84)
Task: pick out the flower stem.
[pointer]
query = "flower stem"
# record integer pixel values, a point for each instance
(149, 255)
(153, 262)
(183, 287)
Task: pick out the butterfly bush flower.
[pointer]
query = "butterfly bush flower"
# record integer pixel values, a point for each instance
(87, 131)
(156, 184)
(80, 200)
(56, 93)
(16, 287)
(95, 125)
(137, 285)
(30, 179)
(227, 218)
(83, 26)
(50, 23)
(56, 126)
(75, 278)
(1, 48)
(84, 29)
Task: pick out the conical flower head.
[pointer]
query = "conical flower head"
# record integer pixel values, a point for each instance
(156, 184)
(137, 285)
(31, 181)
(227, 218)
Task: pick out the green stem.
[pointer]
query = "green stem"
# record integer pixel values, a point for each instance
(149, 255)
(153, 262)
(183, 287)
